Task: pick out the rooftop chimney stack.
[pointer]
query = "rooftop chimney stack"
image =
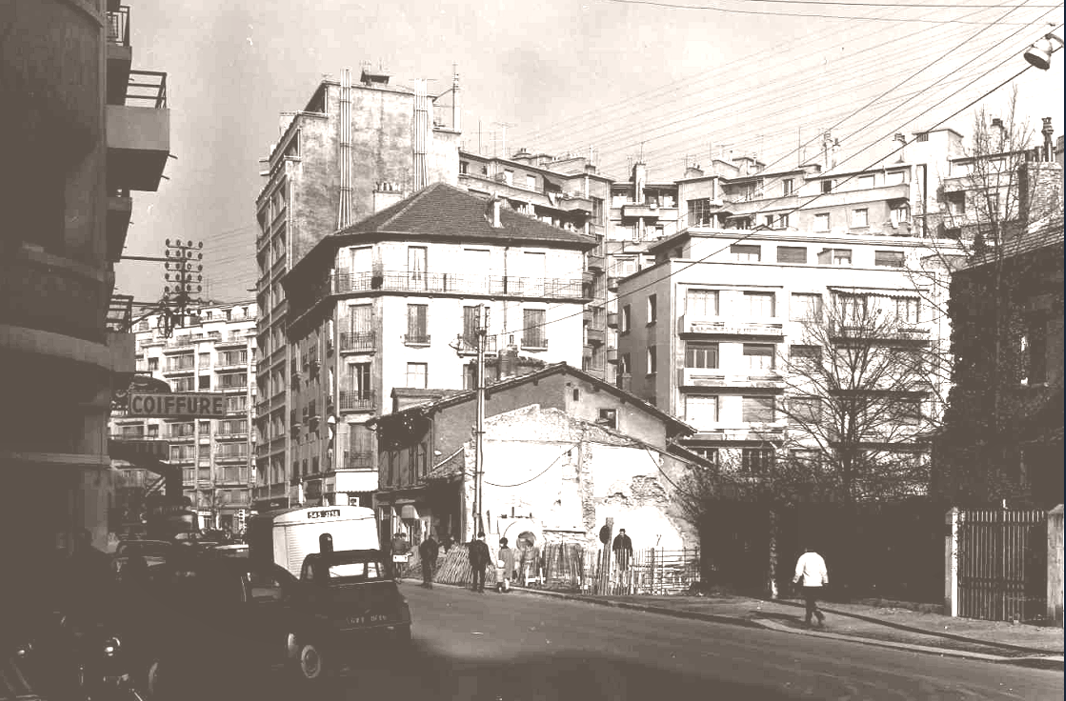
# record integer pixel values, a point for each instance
(494, 212)
(1048, 152)
(456, 111)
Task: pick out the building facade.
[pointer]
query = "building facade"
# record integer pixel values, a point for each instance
(354, 149)
(390, 305)
(564, 191)
(711, 333)
(214, 351)
(84, 134)
(536, 426)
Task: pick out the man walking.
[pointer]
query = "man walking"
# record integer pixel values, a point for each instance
(812, 575)
(479, 559)
(428, 550)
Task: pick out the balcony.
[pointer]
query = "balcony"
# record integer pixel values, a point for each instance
(612, 283)
(596, 261)
(712, 377)
(356, 400)
(357, 342)
(695, 325)
(644, 211)
(468, 346)
(863, 332)
(138, 134)
(595, 337)
(231, 457)
(173, 371)
(612, 320)
(536, 343)
(119, 210)
(358, 460)
(119, 54)
(460, 284)
(416, 339)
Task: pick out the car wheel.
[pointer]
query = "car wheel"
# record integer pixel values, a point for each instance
(309, 662)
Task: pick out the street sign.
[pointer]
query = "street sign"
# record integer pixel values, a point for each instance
(133, 450)
(189, 405)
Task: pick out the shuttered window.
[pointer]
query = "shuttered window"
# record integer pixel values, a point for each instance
(757, 409)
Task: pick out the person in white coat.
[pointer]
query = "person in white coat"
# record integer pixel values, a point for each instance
(812, 575)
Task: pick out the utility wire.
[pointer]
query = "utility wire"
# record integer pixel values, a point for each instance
(773, 13)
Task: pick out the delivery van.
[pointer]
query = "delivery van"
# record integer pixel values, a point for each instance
(287, 537)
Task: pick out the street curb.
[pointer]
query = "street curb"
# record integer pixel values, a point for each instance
(910, 629)
(1055, 663)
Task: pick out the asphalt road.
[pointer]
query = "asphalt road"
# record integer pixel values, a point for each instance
(517, 647)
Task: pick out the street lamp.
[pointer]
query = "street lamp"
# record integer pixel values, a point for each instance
(1039, 54)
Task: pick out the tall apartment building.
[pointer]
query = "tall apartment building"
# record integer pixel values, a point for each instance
(215, 351)
(564, 191)
(354, 149)
(82, 134)
(709, 331)
(385, 312)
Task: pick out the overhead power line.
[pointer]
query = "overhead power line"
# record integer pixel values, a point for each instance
(774, 13)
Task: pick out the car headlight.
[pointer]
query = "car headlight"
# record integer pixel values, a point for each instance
(111, 646)
(25, 650)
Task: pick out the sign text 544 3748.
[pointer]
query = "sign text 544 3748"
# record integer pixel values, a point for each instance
(189, 405)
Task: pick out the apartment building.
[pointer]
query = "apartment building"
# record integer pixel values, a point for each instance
(564, 191)
(708, 332)
(388, 308)
(215, 351)
(328, 170)
(84, 130)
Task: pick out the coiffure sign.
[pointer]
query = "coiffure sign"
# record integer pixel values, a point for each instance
(190, 405)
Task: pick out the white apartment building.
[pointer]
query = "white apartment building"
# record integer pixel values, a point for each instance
(215, 351)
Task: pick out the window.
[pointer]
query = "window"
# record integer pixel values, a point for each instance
(609, 418)
(358, 382)
(701, 411)
(922, 138)
(895, 177)
(907, 411)
(850, 308)
(805, 307)
(153, 364)
(791, 254)
(531, 182)
(860, 218)
(745, 253)
(508, 177)
(827, 186)
(204, 382)
(417, 333)
(464, 166)
(811, 459)
(699, 212)
(801, 352)
(759, 357)
(653, 310)
(416, 267)
(597, 210)
(907, 309)
(624, 364)
(626, 321)
(652, 360)
(701, 355)
(417, 375)
(835, 256)
(757, 410)
(759, 305)
(756, 461)
(183, 384)
(708, 454)
(805, 409)
(900, 213)
(533, 321)
(864, 182)
(470, 327)
(888, 259)
(701, 304)
(787, 186)
(153, 430)
(821, 222)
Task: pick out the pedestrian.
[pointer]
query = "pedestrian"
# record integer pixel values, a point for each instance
(428, 550)
(400, 550)
(505, 563)
(623, 550)
(812, 575)
(479, 560)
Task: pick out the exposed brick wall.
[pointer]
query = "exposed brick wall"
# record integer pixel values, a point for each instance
(1040, 190)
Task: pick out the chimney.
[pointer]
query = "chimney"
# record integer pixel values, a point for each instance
(997, 124)
(693, 171)
(493, 212)
(640, 180)
(1048, 152)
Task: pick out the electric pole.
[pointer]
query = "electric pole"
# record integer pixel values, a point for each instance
(479, 429)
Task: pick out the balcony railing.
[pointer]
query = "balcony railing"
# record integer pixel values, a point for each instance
(356, 400)
(536, 343)
(695, 325)
(404, 281)
(468, 346)
(843, 331)
(416, 339)
(147, 89)
(118, 26)
(358, 341)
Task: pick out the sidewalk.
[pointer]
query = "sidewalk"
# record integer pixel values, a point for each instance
(874, 623)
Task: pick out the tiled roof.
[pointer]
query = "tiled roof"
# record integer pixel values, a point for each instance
(446, 212)
(1041, 234)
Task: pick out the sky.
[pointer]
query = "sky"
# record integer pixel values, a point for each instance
(671, 82)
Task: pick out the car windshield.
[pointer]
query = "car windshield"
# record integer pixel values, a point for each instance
(349, 570)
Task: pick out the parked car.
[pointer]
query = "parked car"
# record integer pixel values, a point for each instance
(238, 550)
(154, 552)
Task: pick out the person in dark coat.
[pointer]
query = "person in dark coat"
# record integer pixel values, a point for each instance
(400, 549)
(623, 549)
(505, 562)
(428, 550)
(479, 560)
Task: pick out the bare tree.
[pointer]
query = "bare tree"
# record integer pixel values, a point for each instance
(858, 400)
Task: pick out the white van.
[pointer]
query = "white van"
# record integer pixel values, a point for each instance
(294, 534)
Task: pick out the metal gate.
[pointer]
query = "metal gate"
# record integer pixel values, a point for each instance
(1002, 564)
